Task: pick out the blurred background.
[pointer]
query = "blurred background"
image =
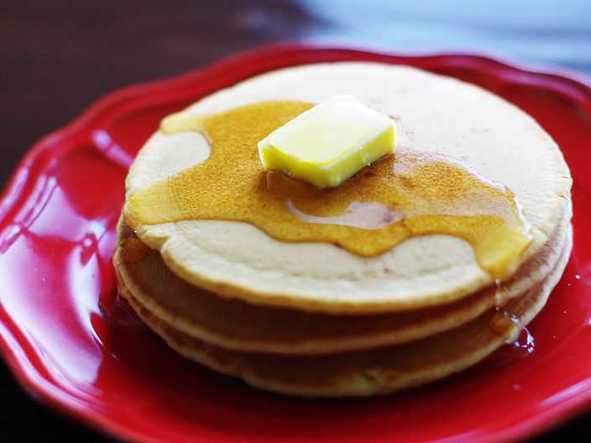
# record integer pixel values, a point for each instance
(58, 56)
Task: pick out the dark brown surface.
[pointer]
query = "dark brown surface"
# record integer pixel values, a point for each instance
(58, 56)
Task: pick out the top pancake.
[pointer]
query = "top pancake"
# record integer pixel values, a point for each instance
(434, 114)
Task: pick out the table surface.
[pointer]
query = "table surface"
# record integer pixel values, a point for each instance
(59, 56)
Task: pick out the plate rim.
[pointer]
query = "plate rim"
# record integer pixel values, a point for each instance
(17, 352)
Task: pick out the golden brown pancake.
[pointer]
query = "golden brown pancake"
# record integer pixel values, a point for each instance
(434, 115)
(478, 202)
(376, 371)
(237, 325)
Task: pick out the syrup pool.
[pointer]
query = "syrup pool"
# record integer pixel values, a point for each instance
(397, 197)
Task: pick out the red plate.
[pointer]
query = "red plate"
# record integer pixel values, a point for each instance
(70, 341)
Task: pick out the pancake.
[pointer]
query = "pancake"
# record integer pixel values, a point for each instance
(235, 325)
(375, 371)
(434, 114)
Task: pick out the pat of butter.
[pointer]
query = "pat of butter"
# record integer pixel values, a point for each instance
(329, 143)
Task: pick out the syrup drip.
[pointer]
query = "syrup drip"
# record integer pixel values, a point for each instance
(505, 324)
(520, 343)
(525, 342)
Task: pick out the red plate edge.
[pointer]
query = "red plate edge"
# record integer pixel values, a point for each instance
(15, 348)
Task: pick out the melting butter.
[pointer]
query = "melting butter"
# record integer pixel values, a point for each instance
(328, 143)
(397, 197)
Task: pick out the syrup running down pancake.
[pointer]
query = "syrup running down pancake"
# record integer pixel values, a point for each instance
(412, 194)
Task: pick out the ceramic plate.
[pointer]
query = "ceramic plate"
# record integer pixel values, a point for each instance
(74, 344)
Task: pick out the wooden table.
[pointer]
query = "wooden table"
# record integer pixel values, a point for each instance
(58, 56)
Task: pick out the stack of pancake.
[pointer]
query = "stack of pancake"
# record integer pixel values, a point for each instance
(314, 318)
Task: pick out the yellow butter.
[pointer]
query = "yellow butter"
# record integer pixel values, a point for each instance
(329, 143)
